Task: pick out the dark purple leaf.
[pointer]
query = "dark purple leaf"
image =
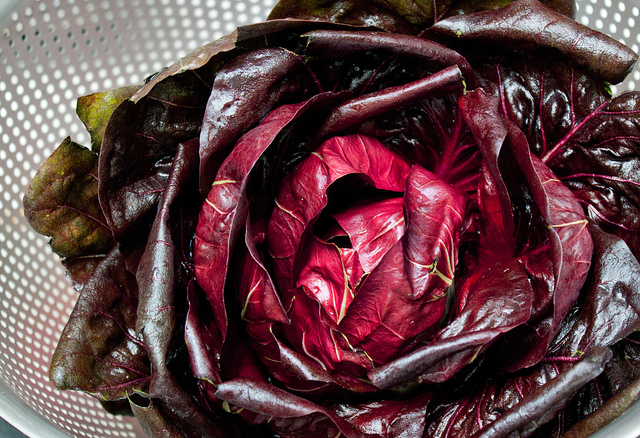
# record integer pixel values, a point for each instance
(566, 226)
(540, 406)
(99, 351)
(137, 153)
(163, 280)
(599, 162)
(361, 108)
(244, 91)
(271, 401)
(401, 16)
(526, 25)
(434, 56)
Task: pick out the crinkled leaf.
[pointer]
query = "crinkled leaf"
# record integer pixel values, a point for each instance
(62, 202)
(541, 405)
(99, 351)
(303, 194)
(163, 283)
(274, 402)
(94, 110)
(514, 403)
(430, 55)
(611, 307)
(325, 276)
(405, 294)
(436, 216)
(388, 418)
(566, 226)
(491, 302)
(262, 310)
(600, 163)
(313, 331)
(526, 25)
(373, 227)
(224, 212)
(361, 108)
(154, 422)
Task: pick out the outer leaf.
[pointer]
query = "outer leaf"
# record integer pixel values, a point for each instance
(359, 109)
(99, 351)
(401, 16)
(95, 110)
(274, 402)
(567, 231)
(611, 307)
(154, 422)
(600, 163)
(541, 405)
(515, 403)
(244, 91)
(527, 24)
(138, 148)
(356, 12)
(62, 202)
(430, 55)
(162, 285)
(201, 63)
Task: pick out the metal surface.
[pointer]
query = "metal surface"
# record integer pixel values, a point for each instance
(52, 52)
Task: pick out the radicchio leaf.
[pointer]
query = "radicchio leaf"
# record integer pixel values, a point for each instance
(224, 212)
(137, 153)
(99, 351)
(245, 89)
(271, 401)
(527, 24)
(399, 16)
(541, 405)
(600, 163)
(434, 56)
(567, 228)
(163, 285)
(303, 195)
(405, 295)
(363, 107)
(62, 202)
(373, 227)
(475, 326)
(95, 110)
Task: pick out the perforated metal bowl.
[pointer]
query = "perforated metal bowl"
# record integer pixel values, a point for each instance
(53, 51)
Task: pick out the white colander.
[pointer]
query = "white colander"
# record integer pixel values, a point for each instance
(53, 51)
